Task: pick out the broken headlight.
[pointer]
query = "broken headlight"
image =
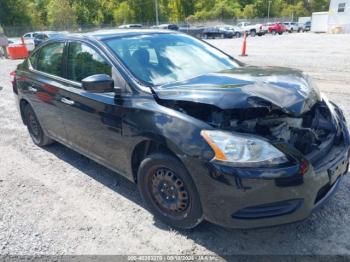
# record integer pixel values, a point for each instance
(242, 150)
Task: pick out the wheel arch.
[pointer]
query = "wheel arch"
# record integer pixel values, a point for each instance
(147, 147)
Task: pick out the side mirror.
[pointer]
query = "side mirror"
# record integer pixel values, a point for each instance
(98, 83)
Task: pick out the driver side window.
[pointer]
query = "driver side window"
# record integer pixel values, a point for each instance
(83, 61)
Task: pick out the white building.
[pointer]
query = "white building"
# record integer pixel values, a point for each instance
(339, 16)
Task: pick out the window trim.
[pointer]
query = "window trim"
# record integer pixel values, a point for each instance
(122, 73)
(93, 48)
(37, 53)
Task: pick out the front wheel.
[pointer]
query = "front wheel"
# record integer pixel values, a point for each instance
(169, 192)
(34, 128)
(273, 32)
(252, 33)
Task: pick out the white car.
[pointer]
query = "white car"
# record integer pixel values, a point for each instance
(237, 31)
(251, 29)
(292, 27)
(28, 39)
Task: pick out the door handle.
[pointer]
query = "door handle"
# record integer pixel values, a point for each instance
(67, 101)
(32, 89)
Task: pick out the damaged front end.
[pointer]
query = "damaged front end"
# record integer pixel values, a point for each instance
(286, 111)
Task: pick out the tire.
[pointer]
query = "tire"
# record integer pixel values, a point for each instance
(253, 33)
(291, 30)
(237, 35)
(34, 128)
(169, 191)
(222, 36)
(205, 36)
(273, 32)
(280, 33)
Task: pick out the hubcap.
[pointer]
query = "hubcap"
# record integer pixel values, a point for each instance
(169, 191)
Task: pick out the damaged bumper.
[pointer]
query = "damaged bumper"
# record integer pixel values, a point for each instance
(260, 197)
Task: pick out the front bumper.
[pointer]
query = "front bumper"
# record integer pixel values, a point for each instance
(251, 197)
(236, 202)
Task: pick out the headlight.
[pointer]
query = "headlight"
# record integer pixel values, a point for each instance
(242, 150)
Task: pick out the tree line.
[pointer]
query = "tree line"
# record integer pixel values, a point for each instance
(73, 13)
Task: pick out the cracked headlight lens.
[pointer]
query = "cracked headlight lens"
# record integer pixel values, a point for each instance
(242, 150)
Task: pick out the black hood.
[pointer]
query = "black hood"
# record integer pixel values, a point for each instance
(246, 87)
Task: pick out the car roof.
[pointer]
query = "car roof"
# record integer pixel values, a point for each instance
(111, 33)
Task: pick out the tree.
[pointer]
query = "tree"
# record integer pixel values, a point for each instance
(249, 11)
(124, 14)
(61, 15)
(14, 13)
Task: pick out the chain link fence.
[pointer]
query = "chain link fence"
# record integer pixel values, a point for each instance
(18, 31)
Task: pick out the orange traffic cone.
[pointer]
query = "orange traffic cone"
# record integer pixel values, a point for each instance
(244, 46)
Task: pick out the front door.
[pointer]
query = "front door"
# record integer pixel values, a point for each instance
(93, 121)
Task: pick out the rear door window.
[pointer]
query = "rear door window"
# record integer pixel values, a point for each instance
(84, 61)
(50, 59)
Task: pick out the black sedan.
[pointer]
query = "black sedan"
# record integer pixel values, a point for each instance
(219, 32)
(203, 135)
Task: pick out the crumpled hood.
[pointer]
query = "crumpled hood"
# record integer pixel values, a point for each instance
(246, 87)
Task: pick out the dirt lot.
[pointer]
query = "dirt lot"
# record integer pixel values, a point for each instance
(54, 201)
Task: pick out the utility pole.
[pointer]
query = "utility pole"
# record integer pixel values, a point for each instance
(268, 11)
(156, 7)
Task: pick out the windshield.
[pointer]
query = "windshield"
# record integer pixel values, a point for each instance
(158, 59)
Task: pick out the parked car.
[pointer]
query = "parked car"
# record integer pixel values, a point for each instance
(218, 32)
(29, 35)
(276, 28)
(128, 26)
(307, 26)
(203, 135)
(196, 31)
(237, 31)
(252, 29)
(166, 26)
(41, 37)
(291, 27)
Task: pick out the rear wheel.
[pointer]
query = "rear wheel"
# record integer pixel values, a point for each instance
(273, 32)
(237, 35)
(168, 191)
(34, 128)
(252, 33)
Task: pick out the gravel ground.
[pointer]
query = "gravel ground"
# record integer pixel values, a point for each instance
(55, 201)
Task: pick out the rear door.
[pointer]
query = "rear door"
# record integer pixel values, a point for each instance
(41, 84)
(93, 120)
